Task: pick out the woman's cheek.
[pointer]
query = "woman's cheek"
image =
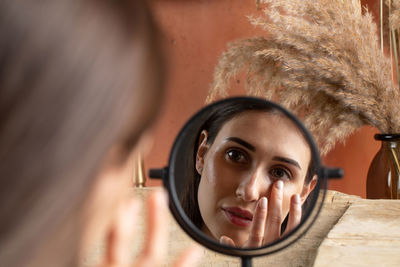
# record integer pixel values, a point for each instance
(288, 191)
(217, 169)
(210, 172)
(223, 177)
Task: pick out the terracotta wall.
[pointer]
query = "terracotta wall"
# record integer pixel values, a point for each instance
(196, 33)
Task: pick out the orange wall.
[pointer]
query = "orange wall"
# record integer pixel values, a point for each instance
(196, 33)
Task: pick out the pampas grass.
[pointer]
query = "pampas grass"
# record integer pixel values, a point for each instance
(322, 60)
(394, 17)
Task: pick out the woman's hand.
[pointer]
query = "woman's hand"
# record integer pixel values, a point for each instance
(267, 219)
(122, 233)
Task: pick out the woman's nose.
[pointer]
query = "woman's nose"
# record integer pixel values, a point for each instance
(253, 187)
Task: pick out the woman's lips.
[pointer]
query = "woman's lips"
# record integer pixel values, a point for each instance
(238, 216)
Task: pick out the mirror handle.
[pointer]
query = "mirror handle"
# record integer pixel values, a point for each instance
(158, 173)
(333, 173)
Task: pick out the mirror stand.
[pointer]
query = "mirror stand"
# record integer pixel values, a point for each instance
(246, 261)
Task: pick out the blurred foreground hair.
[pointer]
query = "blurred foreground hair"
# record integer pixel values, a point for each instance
(76, 78)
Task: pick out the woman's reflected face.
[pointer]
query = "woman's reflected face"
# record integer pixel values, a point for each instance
(250, 153)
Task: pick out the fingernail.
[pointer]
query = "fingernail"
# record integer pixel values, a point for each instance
(264, 203)
(161, 197)
(134, 205)
(222, 240)
(134, 210)
(279, 185)
(297, 199)
(195, 254)
(165, 196)
(129, 209)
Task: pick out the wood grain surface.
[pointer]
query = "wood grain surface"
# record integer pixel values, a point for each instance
(350, 231)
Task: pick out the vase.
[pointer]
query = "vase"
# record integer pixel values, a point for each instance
(384, 172)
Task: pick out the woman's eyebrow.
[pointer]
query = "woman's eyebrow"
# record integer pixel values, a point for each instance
(252, 148)
(241, 142)
(287, 160)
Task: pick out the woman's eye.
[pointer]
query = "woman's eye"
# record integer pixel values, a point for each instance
(280, 173)
(236, 156)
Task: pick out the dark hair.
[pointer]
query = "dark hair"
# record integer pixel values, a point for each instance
(76, 78)
(213, 124)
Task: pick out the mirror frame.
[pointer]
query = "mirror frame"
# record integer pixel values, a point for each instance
(323, 173)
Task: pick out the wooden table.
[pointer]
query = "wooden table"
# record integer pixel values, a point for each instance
(350, 231)
(368, 234)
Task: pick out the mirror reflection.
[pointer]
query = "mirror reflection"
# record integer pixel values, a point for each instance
(245, 173)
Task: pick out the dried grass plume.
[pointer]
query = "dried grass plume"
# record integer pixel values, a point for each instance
(394, 18)
(321, 59)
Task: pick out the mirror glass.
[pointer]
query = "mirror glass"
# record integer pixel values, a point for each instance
(244, 177)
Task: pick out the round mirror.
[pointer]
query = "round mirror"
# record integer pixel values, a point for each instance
(245, 178)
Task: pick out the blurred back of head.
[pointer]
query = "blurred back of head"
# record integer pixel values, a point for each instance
(76, 78)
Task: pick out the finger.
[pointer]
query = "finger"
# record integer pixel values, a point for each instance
(294, 213)
(224, 240)
(274, 217)
(121, 234)
(257, 229)
(154, 250)
(190, 257)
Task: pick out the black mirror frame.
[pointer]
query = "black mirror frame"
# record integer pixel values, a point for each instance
(180, 216)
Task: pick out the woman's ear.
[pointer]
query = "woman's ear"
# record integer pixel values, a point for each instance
(307, 189)
(201, 151)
